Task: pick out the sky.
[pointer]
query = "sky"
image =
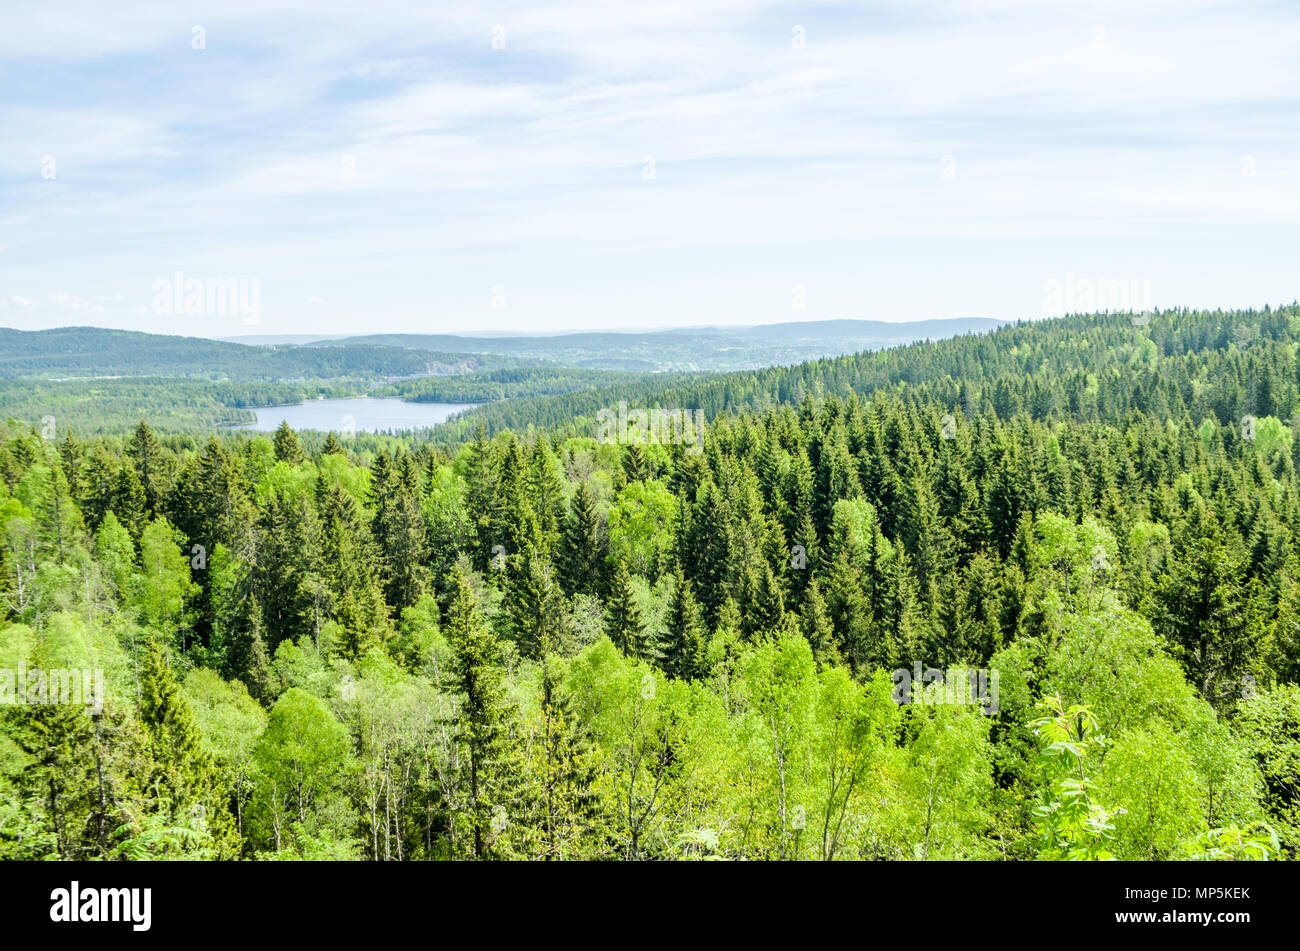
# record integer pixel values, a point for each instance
(282, 167)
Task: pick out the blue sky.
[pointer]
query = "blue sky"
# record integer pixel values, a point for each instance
(386, 166)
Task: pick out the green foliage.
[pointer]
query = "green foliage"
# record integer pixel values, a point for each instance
(1071, 825)
(165, 586)
(640, 526)
(303, 760)
(1255, 843)
(1270, 726)
(482, 720)
(540, 645)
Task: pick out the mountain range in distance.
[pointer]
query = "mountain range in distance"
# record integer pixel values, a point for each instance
(82, 352)
(880, 330)
(675, 349)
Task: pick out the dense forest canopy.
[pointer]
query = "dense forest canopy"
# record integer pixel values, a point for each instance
(520, 638)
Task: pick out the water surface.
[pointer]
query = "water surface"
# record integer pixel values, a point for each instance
(364, 414)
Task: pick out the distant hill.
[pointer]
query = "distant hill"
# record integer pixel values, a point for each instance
(276, 340)
(882, 330)
(83, 352)
(690, 348)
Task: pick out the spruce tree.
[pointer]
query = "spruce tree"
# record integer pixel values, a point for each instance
(350, 567)
(70, 455)
(623, 618)
(636, 464)
(215, 504)
(146, 455)
(1286, 624)
(685, 641)
(95, 486)
(850, 613)
(567, 802)
(534, 605)
(246, 656)
(288, 558)
(184, 778)
(1202, 609)
(805, 556)
(815, 623)
(546, 491)
(581, 550)
(482, 717)
(287, 447)
(129, 500)
(399, 530)
(707, 554)
(511, 519)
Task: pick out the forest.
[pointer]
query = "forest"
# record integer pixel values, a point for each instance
(1025, 595)
(96, 352)
(100, 381)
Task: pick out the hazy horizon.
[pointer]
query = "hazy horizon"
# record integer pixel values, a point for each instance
(518, 332)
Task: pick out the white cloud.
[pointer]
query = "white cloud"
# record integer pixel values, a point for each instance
(396, 157)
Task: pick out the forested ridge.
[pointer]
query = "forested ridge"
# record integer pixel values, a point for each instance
(1096, 367)
(94, 351)
(687, 349)
(490, 385)
(517, 640)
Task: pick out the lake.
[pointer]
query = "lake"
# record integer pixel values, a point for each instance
(363, 415)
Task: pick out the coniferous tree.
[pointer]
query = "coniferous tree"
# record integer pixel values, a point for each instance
(623, 617)
(815, 623)
(287, 564)
(685, 641)
(1286, 624)
(851, 615)
(333, 447)
(214, 504)
(70, 455)
(184, 777)
(534, 604)
(567, 802)
(582, 550)
(1202, 610)
(706, 556)
(636, 464)
(129, 500)
(246, 654)
(546, 491)
(96, 484)
(805, 557)
(481, 475)
(482, 717)
(399, 531)
(287, 447)
(146, 455)
(768, 605)
(349, 566)
(85, 771)
(511, 519)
